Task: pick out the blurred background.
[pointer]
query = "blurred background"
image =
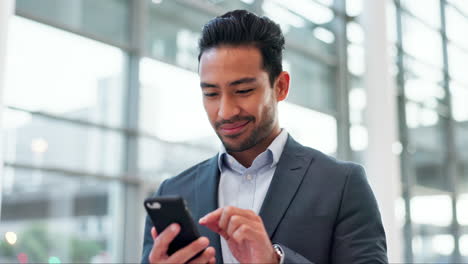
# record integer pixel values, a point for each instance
(101, 102)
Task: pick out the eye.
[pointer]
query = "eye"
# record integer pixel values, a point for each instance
(210, 94)
(245, 91)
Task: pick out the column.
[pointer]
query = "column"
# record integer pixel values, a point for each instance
(381, 162)
(6, 12)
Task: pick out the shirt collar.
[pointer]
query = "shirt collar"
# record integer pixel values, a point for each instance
(276, 149)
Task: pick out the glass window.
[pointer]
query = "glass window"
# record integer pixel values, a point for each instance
(431, 209)
(59, 219)
(299, 21)
(429, 248)
(309, 127)
(108, 19)
(171, 104)
(461, 5)
(463, 245)
(457, 23)
(308, 10)
(354, 7)
(459, 96)
(63, 74)
(173, 38)
(429, 14)
(312, 83)
(457, 63)
(41, 142)
(422, 42)
(159, 160)
(356, 59)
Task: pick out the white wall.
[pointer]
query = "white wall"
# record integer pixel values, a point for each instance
(381, 119)
(6, 11)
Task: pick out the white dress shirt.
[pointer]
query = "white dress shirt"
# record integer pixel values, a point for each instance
(246, 188)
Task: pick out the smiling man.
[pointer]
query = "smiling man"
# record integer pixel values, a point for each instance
(264, 198)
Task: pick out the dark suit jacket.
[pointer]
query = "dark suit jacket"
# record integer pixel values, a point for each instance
(319, 209)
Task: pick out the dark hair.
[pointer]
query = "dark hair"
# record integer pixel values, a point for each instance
(241, 27)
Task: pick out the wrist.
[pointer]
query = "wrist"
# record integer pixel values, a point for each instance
(279, 254)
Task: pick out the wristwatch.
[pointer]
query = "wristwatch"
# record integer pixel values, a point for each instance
(279, 252)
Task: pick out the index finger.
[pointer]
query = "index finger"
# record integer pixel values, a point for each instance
(211, 217)
(211, 220)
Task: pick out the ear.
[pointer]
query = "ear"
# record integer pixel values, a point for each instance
(282, 86)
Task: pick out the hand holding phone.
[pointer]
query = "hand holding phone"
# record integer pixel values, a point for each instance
(176, 238)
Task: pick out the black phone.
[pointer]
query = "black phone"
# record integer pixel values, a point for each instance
(165, 210)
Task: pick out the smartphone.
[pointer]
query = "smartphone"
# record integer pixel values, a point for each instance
(165, 210)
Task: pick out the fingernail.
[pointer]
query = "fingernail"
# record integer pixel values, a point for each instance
(202, 220)
(174, 228)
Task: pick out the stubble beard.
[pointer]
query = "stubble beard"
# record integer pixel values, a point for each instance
(259, 133)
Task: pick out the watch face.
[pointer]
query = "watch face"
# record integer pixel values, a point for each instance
(278, 250)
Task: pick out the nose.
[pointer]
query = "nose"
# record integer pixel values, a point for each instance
(228, 108)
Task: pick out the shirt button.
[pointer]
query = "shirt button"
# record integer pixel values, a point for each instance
(249, 177)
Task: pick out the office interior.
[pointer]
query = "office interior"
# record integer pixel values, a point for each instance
(101, 103)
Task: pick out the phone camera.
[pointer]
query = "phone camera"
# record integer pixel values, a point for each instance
(154, 205)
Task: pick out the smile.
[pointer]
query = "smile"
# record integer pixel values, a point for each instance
(233, 128)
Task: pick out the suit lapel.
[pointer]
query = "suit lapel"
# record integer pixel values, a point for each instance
(288, 176)
(207, 200)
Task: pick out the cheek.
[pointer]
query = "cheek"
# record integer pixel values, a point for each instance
(211, 110)
(263, 106)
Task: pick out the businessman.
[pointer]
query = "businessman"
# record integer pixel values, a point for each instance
(264, 198)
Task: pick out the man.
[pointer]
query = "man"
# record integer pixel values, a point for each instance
(264, 198)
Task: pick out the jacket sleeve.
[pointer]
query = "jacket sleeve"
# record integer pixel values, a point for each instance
(291, 256)
(147, 238)
(359, 235)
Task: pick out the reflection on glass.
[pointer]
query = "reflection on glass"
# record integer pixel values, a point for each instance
(61, 73)
(65, 218)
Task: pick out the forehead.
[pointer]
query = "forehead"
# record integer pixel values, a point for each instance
(230, 62)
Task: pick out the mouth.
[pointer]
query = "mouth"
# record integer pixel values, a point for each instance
(233, 128)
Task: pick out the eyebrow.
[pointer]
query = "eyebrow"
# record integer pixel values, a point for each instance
(233, 83)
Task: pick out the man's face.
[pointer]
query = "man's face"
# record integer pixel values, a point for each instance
(237, 96)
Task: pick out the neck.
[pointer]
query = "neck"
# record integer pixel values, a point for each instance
(247, 157)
